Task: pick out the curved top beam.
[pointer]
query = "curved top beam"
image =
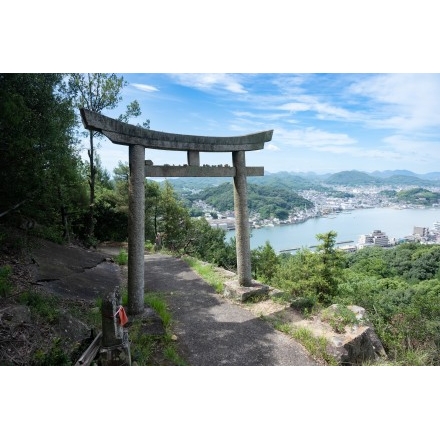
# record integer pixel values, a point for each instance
(126, 134)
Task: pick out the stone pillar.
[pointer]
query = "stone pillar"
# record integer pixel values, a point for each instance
(136, 229)
(115, 346)
(193, 158)
(242, 230)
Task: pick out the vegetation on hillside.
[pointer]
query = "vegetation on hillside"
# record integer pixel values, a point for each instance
(418, 196)
(268, 201)
(399, 288)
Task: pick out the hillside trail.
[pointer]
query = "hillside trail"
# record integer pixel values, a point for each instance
(211, 330)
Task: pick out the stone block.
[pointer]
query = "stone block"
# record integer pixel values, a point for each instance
(242, 293)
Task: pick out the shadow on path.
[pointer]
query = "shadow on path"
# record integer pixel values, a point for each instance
(211, 330)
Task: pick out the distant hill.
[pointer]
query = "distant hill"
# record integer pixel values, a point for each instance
(287, 180)
(269, 201)
(418, 196)
(354, 178)
(399, 177)
(404, 180)
(431, 176)
(390, 173)
(312, 181)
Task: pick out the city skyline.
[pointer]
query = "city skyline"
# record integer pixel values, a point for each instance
(323, 123)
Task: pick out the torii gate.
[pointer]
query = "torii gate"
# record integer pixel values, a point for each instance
(138, 139)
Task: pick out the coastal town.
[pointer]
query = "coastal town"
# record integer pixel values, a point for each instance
(325, 205)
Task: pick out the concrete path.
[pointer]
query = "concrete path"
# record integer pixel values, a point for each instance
(211, 330)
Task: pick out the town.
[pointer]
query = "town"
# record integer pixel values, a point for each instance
(327, 205)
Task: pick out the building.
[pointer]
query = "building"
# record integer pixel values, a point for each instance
(420, 231)
(376, 238)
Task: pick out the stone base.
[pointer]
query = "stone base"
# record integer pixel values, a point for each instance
(118, 355)
(357, 344)
(151, 322)
(243, 293)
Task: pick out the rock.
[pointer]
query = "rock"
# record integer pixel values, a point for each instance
(356, 347)
(355, 344)
(16, 315)
(71, 328)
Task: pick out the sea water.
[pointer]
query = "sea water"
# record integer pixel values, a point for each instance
(349, 225)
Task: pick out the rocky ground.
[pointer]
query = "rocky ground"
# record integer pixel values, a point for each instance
(36, 326)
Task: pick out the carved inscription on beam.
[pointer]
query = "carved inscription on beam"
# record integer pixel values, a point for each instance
(194, 171)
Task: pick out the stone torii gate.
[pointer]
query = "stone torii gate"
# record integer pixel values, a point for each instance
(138, 139)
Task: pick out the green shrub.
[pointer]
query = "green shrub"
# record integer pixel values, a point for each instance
(339, 317)
(55, 356)
(122, 257)
(5, 283)
(45, 306)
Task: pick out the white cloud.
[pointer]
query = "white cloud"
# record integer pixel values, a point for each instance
(323, 110)
(145, 87)
(295, 107)
(312, 138)
(272, 147)
(407, 101)
(211, 81)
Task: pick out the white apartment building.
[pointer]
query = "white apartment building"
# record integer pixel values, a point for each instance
(376, 238)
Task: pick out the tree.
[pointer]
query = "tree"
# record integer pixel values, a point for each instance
(174, 220)
(331, 263)
(40, 163)
(315, 275)
(98, 92)
(264, 262)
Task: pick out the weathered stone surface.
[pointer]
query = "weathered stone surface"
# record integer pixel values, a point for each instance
(242, 293)
(116, 356)
(357, 344)
(136, 230)
(126, 134)
(15, 315)
(242, 234)
(115, 345)
(197, 171)
(72, 328)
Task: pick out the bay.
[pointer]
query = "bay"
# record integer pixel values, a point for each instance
(349, 225)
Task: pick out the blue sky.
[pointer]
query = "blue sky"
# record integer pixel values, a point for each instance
(322, 122)
(365, 119)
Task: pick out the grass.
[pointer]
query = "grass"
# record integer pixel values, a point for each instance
(207, 272)
(122, 258)
(46, 311)
(46, 306)
(161, 308)
(339, 317)
(316, 346)
(5, 282)
(152, 350)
